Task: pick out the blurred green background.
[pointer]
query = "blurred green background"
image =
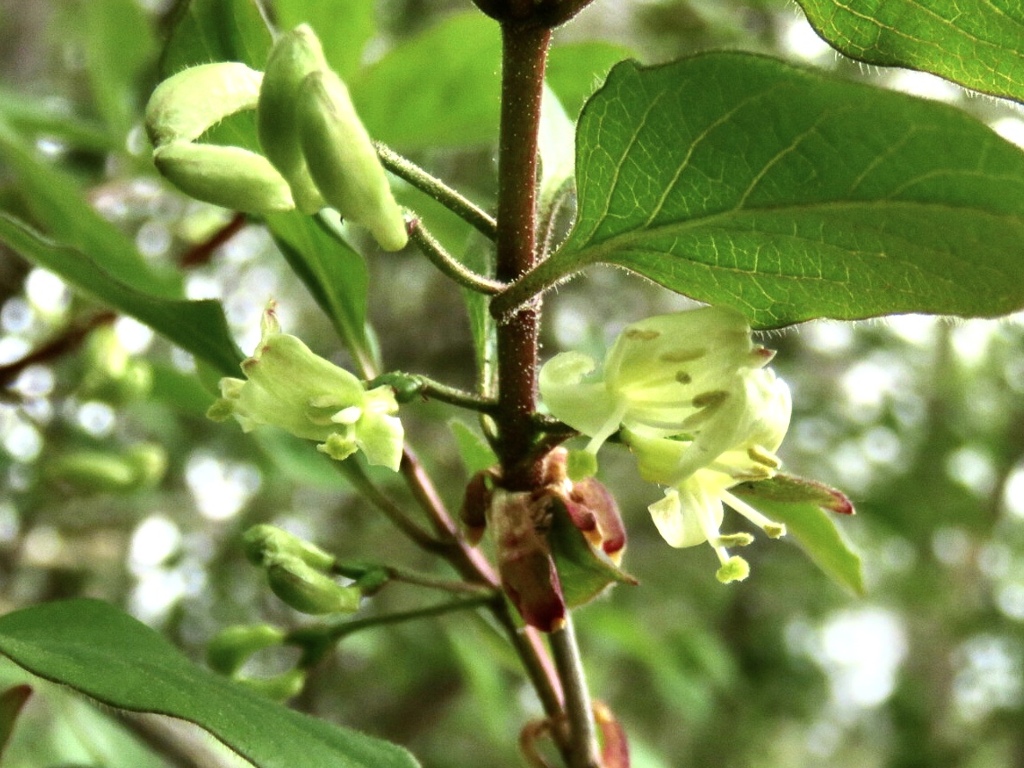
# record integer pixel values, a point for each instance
(919, 420)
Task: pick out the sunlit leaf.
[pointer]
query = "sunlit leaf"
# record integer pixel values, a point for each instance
(104, 653)
(788, 194)
(977, 43)
(430, 91)
(198, 327)
(343, 26)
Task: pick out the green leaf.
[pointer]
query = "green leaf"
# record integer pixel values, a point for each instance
(33, 118)
(583, 572)
(198, 327)
(119, 45)
(815, 531)
(789, 195)
(977, 43)
(334, 273)
(57, 203)
(343, 26)
(216, 30)
(439, 88)
(475, 452)
(101, 652)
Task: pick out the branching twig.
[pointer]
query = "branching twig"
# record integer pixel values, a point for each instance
(448, 265)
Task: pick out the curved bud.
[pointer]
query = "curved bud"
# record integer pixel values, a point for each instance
(187, 103)
(230, 177)
(263, 543)
(294, 56)
(277, 688)
(343, 162)
(308, 590)
(149, 461)
(232, 646)
(93, 471)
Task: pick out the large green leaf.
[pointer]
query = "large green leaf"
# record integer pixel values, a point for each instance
(101, 652)
(343, 26)
(440, 87)
(815, 531)
(788, 194)
(216, 30)
(56, 202)
(977, 43)
(198, 327)
(333, 272)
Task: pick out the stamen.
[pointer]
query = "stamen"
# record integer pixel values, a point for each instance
(639, 334)
(769, 526)
(682, 355)
(760, 455)
(735, 540)
(711, 399)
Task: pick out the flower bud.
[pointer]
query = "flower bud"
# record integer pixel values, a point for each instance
(231, 647)
(519, 524)
(343, 162)
(294, 56)
(187, 103)
(308, 590)
(230, 177)
(277, 688)
(133, 469)
(263, 543)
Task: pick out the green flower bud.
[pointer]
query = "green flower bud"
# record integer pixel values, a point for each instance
(186, 104)
(139, 467)
(232, 646)
(344, 163)
(278, 688)
(308, 590)
(230, 177)
(294, 56)
(263, 543)
(111, 373)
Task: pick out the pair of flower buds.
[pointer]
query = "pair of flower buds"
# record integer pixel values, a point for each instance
(317, 152)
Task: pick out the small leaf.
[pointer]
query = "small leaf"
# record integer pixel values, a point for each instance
(789, 195)
(198, 327)
(978, 43)
(97, 650)
(816, 533)
(216, 30)
(584, 572)
(334, 273)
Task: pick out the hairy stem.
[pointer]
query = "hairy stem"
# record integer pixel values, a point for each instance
(461, 206)
(524, 54)
(447, 264)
